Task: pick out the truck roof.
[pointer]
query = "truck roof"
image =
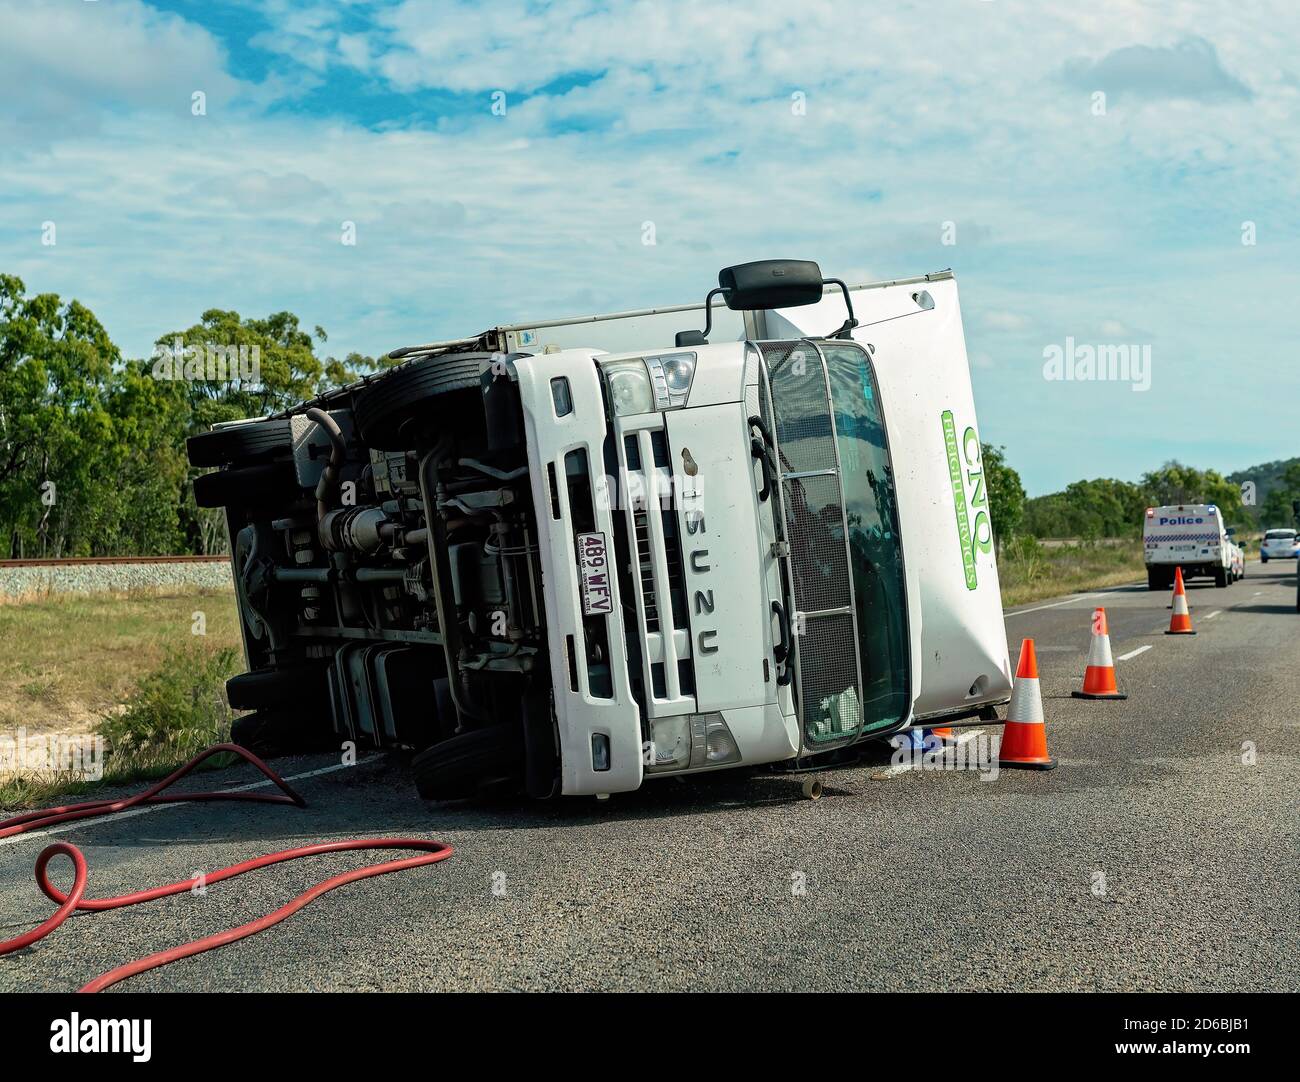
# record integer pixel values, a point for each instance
(936, 276)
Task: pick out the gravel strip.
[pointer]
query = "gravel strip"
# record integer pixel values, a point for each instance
(35, 582)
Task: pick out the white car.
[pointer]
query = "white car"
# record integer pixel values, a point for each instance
(1279, 545)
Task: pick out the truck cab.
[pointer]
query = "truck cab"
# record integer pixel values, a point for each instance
(728, 569)
(574, 569)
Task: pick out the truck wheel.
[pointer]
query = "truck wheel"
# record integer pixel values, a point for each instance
(1220, 577)
(399, 401)
(306, 686)
(463, 765)
(271, 483)
(1154, 579)
(241, 443)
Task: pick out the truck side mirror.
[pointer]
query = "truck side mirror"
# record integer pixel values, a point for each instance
(766, 284)
(770, 283)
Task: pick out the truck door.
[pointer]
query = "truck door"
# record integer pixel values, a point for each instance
(913, 332)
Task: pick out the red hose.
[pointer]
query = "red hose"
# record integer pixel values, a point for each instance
(433, 851)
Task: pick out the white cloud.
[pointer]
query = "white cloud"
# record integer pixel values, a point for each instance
(916, 116)
(63, 67)
(1005, 321)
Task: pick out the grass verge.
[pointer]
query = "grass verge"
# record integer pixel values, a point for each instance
(69, 659)
(1030, 571)
(71, 676)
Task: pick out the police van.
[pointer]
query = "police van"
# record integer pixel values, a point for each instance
(1193, 537)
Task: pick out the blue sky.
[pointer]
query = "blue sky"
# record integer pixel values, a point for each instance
(1114, 225)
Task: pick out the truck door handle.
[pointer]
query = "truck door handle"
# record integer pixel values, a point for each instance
(759, 452)
(781, 650)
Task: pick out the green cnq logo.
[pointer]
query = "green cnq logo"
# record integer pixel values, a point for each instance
(966, 469)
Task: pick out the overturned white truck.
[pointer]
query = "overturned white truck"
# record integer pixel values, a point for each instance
(573, 555)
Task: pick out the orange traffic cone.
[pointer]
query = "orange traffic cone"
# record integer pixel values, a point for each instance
(1180, 623)
(1024, 738)
(1099, 676)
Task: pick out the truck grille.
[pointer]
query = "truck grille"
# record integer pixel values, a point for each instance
(828, 678)
(645, 564)
(656, 564)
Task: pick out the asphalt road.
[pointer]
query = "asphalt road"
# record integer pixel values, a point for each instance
(1152, 858)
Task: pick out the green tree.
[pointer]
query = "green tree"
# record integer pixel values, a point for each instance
(1006, 493)
(55, 364)
(92, 448)
(287, 371)
(1278, 507)
(1175, 483)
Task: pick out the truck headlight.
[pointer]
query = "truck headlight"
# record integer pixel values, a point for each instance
(694, 740)
(670, 744)
(629, 387)
(711, 741)
(670, 376)
(646, 384)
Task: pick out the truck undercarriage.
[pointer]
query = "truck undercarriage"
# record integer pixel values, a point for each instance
(386, 567)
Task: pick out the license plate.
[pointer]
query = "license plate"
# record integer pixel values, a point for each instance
(1183, 548)
(593, 566)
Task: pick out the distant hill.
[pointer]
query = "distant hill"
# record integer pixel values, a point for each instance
(1266, 477)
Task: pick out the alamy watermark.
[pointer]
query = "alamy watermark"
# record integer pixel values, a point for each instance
(1110, 362)
(977, 752)
(210, 363)
(50, 753)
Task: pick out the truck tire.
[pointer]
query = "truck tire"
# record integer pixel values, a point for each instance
(267, 484)
(1154, 579)
(463, 765)
(1220, 577)
(242, 443)
(303, 685)
(390, 405)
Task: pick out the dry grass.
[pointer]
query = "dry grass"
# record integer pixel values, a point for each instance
(1030, 571)
(125, 667)
(67, 659)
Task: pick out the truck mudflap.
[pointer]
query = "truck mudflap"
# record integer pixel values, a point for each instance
(914, 332)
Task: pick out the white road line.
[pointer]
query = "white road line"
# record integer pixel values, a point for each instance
(1215, 613)
(892, 771)
(1053, 605)
(146, 809)
(1134, 653)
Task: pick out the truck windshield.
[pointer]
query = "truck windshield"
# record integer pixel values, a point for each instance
(870, 504)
